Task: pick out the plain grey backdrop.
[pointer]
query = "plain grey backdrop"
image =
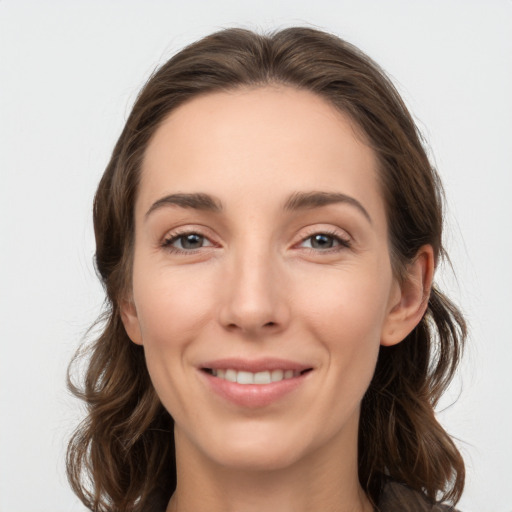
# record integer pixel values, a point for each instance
(69, 73)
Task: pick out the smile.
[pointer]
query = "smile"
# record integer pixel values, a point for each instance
(254, 384)
(246, 377)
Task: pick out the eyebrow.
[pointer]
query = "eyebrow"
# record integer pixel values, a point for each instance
(196, 201)
(309, 200)
(297, 201)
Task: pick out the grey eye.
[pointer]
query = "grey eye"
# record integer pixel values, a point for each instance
(322, 241)
(190, 241)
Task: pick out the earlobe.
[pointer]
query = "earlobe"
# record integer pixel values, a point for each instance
(131, 321)
(409, 305)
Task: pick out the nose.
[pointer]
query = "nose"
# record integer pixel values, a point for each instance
(254, 294)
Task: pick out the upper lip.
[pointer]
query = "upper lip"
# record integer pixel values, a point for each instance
(255, 365)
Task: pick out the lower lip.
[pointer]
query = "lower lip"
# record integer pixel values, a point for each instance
(253, 395)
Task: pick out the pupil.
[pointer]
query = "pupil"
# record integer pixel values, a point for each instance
(322, 242)
(192, 241)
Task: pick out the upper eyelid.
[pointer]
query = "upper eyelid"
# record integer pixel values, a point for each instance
(188, 230)
(331, 231)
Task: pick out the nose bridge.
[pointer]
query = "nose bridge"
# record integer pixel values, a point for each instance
(253, 298)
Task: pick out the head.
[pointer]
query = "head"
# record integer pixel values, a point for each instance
(397, 428)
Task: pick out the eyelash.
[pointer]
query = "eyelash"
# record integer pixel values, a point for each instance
(173, 237)
(342, 242)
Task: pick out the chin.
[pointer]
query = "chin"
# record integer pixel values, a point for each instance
(258, 446)
(256, 456)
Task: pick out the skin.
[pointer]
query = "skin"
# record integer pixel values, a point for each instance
(259, 286)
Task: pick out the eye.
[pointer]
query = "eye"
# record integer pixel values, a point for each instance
(324, 241)
(186, 242)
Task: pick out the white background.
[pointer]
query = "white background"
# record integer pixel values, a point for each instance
(69, 72)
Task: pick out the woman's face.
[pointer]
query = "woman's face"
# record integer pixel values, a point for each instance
(261, 256)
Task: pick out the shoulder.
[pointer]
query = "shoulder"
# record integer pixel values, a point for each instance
(397, 496)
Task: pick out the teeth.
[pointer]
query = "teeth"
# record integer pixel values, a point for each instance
(230, 375)
(243, 377)
(262, 378)
(277, 375)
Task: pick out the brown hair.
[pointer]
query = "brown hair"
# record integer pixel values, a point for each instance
(122, 456)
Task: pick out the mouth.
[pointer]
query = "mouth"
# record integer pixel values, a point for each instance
(259, 378)
(254, 384)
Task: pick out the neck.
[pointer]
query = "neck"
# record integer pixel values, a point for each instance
(316, 482)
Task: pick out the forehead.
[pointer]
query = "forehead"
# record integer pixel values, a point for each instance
(266, 141)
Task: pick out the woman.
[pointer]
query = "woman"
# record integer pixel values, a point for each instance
(267, 232)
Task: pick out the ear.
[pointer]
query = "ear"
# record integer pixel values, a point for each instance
(409, 300)
(131, 320)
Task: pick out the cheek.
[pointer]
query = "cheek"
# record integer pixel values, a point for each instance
(344, 304)
(172, 305)
(173, 308)
(345, 312)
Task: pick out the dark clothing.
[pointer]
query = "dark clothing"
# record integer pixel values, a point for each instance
(399, 498)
